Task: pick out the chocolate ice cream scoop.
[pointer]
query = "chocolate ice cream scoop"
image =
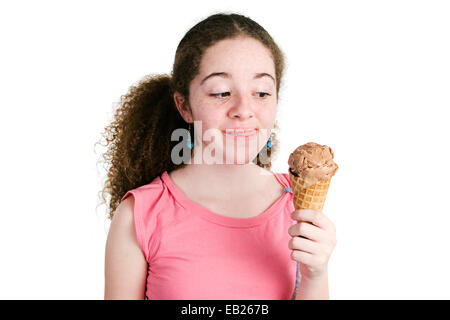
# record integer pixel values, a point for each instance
(312, 162)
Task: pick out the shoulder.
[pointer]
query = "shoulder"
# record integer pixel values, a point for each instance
(150, 200)
(278, 177)
(146, 208)
(124, 212)
(273, 184)
(153, 196)
(154, 187)
(121, 236)
(284, 179)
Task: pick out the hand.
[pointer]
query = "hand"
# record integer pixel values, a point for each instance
(313, 241)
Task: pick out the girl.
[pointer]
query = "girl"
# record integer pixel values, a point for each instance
(225, 229)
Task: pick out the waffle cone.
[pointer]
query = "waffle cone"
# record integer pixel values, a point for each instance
(312, 197)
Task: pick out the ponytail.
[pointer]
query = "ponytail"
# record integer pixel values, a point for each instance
(138, 139)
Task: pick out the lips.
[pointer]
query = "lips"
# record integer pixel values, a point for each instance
(244, 132)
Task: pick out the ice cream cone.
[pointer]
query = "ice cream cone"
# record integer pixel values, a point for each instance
(309, 197)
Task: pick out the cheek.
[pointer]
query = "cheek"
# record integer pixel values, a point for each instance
(208, 119)
(211, 120)
(267, 122)
(267, 118)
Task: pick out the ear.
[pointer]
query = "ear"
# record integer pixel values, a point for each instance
(181, 104)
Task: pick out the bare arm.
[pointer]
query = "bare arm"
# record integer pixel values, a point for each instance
(125, 264)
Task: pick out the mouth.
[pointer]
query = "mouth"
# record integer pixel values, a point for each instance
(241, 132)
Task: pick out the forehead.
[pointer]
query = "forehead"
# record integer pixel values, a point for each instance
(241, 55)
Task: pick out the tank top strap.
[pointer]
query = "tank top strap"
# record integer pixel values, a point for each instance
(283, 179)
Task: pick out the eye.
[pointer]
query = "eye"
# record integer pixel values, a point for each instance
(264, 93)
(219, 95)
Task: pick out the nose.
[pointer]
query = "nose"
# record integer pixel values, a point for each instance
(242, 107)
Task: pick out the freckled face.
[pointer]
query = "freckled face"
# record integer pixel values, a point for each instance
(236, 88)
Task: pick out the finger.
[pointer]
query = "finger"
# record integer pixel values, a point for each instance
(303, 244)
(307, 230)
(316, 217)
(303, 257)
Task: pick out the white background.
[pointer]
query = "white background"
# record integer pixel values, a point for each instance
(371, 79)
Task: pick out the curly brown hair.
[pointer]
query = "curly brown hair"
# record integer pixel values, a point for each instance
(138, 140)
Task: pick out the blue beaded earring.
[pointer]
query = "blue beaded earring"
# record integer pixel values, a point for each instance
(189, 143)
(269, 143)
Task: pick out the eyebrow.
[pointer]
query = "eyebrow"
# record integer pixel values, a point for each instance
(227, 76)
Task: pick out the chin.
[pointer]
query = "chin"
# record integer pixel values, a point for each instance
(240, 158)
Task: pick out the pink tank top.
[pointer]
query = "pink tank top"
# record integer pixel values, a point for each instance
(194, 253)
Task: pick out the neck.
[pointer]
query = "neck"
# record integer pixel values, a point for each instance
(219, 177)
